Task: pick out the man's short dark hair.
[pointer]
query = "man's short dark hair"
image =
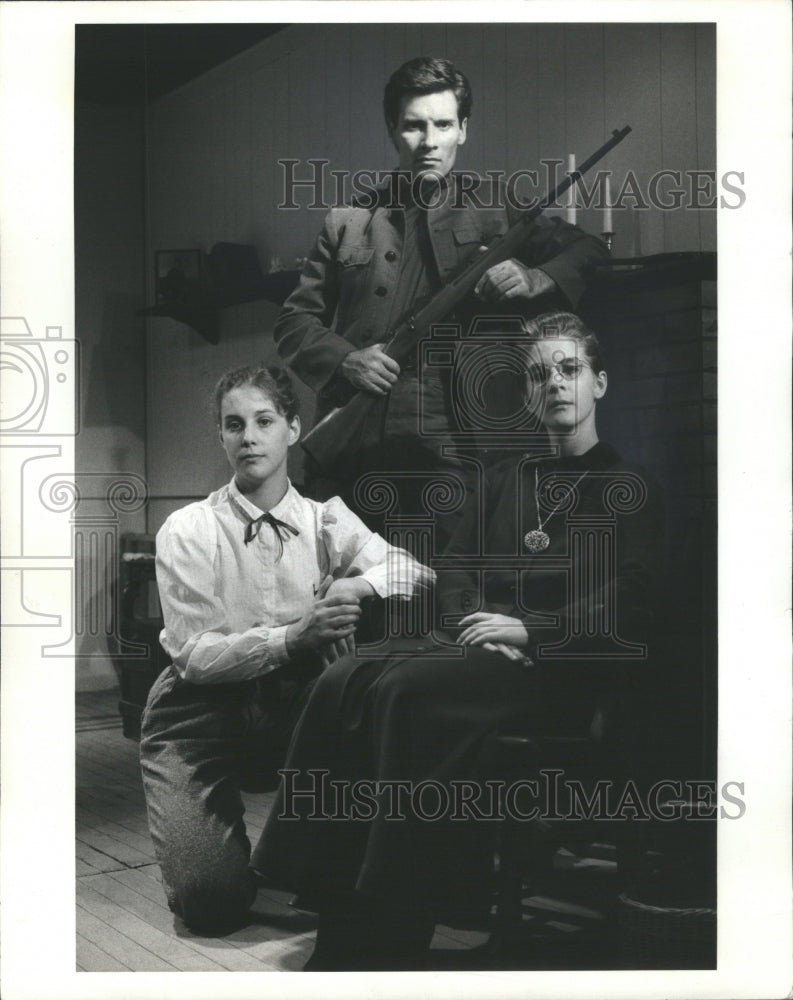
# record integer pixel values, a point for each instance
(426, 75)
(566, 326)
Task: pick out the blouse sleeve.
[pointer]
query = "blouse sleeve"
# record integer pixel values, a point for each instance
(354, 550)
(197, 636)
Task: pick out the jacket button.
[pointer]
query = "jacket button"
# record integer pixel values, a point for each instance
(381, 291)
(391, 255)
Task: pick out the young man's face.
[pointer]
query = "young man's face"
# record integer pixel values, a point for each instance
(565, 405)
(428, 132)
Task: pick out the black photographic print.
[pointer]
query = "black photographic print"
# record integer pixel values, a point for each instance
(419, 586)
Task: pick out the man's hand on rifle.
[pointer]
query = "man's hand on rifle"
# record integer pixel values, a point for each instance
(370, 369)
(512, 280)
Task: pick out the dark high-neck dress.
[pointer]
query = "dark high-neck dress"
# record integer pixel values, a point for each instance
(420, 718)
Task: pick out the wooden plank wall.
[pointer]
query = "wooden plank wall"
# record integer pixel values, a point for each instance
(314, 91)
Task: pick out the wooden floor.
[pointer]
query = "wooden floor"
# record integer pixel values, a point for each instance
(123, 921)
(124, 924)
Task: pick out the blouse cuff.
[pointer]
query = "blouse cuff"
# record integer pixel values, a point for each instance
(276, 646)
(399, 575)
(377, 576)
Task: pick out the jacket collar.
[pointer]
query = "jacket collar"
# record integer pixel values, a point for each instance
(394, 194)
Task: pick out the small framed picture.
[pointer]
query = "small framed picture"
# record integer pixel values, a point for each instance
(176, 274)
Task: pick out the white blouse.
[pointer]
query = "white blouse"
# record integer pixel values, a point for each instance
(227, 604)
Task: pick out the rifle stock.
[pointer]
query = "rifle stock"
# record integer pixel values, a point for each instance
(336, 440)
(345, 431)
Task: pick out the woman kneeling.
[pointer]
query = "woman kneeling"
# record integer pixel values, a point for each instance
(260, 587)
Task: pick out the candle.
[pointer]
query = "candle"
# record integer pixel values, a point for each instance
(570, 210)
(608, 223)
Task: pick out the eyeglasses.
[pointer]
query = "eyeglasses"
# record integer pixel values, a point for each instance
(568, 369)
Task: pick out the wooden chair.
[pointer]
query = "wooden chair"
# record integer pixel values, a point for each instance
(556, 902)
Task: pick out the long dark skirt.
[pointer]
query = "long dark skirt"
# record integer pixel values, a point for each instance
(413, 719)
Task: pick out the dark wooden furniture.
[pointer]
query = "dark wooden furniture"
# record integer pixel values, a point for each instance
(141, 622)
(230, 276)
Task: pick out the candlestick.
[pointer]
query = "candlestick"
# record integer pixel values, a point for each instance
(608, 224)
(570, 210)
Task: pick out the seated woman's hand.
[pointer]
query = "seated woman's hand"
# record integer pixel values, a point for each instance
(511, 652)
(485, 628)
(330, 619)
(336, 650)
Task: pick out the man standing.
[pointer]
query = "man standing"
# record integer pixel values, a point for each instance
(373, 262)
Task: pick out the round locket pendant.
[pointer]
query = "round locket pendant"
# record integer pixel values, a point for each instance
(536, 541)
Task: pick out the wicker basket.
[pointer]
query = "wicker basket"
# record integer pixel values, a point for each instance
(665, 937)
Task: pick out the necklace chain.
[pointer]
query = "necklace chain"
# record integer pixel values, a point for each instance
(538, 540)
(540, 523)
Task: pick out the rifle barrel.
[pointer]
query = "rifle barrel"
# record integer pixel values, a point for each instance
(331, 438)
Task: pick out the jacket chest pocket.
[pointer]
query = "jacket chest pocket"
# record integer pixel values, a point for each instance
(457, 246)
(350, 258)
(465, 235)
(357, 302)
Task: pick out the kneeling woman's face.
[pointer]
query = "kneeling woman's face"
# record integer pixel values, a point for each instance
(255, 435)
(562, 388)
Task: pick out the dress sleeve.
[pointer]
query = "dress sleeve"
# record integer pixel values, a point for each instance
(354, 550)
(303, 332)
(460, 591)
(633, 588)
(197, 636)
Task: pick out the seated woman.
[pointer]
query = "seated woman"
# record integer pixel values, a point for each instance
(540, 627)
(255, 582)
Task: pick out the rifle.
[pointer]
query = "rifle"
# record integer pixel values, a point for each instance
(349, 428)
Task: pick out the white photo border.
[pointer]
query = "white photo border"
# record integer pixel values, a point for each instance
(754, 245)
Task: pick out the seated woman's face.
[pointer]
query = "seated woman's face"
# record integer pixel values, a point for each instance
(255, 435)
(562, 388)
